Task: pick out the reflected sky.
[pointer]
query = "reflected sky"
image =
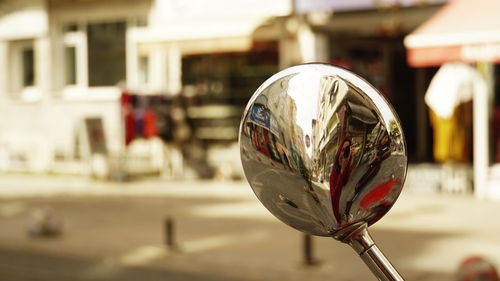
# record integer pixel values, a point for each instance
(304, 89)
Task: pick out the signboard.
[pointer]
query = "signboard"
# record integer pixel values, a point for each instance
(260, 115)
(96, 137)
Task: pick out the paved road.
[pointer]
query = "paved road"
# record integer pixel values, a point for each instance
(22, 265)
(115, 233)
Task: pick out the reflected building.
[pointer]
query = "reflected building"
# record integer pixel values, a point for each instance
(266, 126)
(349, 135)
(350, 168)
(327, 122)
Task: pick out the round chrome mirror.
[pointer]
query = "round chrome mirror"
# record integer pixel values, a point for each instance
(325, 153)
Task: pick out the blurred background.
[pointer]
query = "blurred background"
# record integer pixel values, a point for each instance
(119, 154)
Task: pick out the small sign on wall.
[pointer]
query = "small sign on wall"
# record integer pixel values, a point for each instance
(96, 137)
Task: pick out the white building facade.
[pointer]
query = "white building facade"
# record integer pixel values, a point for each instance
(66, 61)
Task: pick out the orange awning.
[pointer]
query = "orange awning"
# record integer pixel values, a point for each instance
(463, 30)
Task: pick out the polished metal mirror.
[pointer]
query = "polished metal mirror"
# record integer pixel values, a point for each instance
(325, 153)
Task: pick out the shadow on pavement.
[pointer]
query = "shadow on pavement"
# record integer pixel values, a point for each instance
(101, 231)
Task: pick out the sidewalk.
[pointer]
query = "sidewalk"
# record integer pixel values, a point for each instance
(223, 232)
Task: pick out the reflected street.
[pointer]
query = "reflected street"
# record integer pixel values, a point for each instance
(322, 150)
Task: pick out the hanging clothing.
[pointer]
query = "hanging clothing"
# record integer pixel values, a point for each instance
(150, 128)
(147, 116)
(139, 123)
(453, 84)
(129, 128)
(453, 136)
(449, 97)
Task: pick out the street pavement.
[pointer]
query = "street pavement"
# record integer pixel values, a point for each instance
(115, 231)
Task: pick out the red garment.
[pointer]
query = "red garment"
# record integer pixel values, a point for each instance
(255, 141)
(263, 146)
(125, 99)
(128, 117)
(150, 129)
(129, 128)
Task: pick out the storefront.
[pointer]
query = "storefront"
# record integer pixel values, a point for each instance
(212, 62)
(447, 38)
(217, 86)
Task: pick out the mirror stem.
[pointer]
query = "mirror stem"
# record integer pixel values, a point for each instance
(380, 266)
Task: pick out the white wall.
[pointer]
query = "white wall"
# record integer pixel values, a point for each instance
(21, 125)
(22, 19)
(176, 20)
(3, 69)
(203, 10)
(35, 129)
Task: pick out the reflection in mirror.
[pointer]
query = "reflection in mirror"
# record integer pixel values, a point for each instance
(333, 156)
(323, 151)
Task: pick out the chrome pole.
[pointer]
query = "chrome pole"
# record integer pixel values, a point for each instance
(380, 266)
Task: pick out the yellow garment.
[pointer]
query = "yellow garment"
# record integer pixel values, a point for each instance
(449, 138)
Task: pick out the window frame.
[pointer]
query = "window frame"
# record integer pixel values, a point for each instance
(16, 77)
(78, 39)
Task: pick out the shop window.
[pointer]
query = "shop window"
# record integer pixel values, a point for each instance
(106, 53)
(228, 78)
(217, 86)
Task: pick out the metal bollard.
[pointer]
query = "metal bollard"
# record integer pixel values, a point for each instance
(169, 232)
(307, 251)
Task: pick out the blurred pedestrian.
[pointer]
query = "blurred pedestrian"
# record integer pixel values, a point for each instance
(476, 268)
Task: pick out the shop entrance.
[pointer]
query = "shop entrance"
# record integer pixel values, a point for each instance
(216, 88)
